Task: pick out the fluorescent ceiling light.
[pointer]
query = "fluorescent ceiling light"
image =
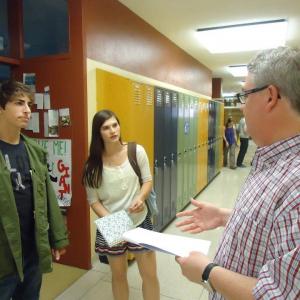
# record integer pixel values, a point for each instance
(244, 37)
(238, 70)
(228, 95)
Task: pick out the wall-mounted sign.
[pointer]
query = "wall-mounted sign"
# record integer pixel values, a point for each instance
(59, 167)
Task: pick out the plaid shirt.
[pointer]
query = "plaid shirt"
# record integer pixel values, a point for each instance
(262, 236)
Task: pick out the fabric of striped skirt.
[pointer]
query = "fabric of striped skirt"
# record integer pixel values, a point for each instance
(102, 248)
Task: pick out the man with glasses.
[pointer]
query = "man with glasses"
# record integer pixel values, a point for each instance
(259, 254)
(242, 97)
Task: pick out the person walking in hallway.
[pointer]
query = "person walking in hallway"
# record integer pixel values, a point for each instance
(225, 145)
(32, 228)
(112, 185)
(230, 136)
(244, 142)
(259, 253)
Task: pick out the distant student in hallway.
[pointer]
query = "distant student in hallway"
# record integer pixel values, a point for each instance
(112, 185)
(230, 136)
(244, 142)
(31, 224)
(225, 145)
(259, 254)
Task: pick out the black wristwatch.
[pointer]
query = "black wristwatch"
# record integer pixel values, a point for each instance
(205, 277)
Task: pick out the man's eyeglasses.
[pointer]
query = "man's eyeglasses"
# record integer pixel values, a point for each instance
(242, 97)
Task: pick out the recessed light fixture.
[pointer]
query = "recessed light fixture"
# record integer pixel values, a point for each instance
(238, 70)
(228, 95)
(244, 37)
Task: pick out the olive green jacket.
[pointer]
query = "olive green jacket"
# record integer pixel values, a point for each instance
(50, 230)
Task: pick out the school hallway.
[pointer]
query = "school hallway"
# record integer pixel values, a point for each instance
(96, 283)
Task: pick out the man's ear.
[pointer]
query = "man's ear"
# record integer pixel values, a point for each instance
(274, 97)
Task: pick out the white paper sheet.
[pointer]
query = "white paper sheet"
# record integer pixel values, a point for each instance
(168, 243)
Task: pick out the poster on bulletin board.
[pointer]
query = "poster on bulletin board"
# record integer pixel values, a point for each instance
(59, 167)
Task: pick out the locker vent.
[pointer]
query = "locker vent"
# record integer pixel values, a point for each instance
(174, 99)
(149, 95)
(167, 98)
(158, 99)
(137, 93)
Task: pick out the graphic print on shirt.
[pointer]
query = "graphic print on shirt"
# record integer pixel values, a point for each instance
(17, 162)
(16, 177)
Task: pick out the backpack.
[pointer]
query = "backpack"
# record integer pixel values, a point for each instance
(151, 201)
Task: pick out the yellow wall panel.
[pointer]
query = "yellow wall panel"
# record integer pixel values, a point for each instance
(113, 93)
(133, 103)
(142, 122)
(202, 136)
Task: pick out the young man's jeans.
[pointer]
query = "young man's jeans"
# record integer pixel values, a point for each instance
(12, 288)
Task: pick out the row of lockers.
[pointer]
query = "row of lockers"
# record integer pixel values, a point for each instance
(187, 145)
(181, 133)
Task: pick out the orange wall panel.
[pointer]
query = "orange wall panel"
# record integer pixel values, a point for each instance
(116, 36)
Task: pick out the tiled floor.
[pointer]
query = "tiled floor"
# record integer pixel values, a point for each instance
(96, 284)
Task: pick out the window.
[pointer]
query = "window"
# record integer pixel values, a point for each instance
(4, 72)
(4, 40)
(46, 27)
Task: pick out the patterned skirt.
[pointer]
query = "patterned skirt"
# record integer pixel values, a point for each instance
(102, 248)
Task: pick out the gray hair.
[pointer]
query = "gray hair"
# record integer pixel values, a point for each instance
(279, 67)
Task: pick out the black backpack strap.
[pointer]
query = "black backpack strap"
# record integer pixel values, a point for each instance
(131, 153)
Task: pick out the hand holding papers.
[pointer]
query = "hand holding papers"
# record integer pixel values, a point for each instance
(168, 243)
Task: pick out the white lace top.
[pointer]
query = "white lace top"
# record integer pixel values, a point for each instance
(120, 185)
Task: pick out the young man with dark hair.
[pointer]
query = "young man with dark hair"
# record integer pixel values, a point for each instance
(31, 225)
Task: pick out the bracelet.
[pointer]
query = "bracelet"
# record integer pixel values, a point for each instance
(207, 270)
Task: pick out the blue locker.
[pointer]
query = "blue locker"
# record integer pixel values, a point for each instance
(166, 132)
(174, 128)
(158, 154)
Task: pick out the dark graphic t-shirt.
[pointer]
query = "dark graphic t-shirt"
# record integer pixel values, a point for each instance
(17, 161)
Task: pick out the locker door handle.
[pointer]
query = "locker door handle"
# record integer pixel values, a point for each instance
(155, 166)
(165, 161)
(172, 158)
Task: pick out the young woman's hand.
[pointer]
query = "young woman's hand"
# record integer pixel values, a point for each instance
(137, 205)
